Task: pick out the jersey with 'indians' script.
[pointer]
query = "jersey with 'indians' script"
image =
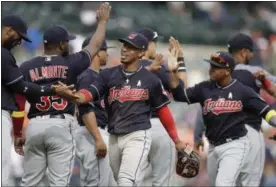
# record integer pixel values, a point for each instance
(129, 98)
(224, 109)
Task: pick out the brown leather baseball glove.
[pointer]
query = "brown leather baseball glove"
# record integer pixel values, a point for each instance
(188, 163)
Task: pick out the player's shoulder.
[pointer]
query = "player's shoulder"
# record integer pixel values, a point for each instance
(5, 51)
(145, 62)
(110, 72)
(206, 84)
(88, 74)
(240, 86)
(6, 54)
(29, 63)
(110, 69)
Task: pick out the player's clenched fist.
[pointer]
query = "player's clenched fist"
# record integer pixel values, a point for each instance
(101, 149)
(103, 12)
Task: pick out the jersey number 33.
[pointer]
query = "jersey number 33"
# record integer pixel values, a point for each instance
(51, 101)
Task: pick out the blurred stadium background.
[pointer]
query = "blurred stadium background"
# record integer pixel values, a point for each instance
(201, 27)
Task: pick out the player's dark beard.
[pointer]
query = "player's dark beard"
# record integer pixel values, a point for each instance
(10, 43)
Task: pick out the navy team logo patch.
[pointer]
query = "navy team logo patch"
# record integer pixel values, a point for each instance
(221, 106)
(127, 94)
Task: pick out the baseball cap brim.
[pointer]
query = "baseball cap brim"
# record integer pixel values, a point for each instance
(25, 37)
(108, 47)
(124, 40)
(215, 63)
(72, 37)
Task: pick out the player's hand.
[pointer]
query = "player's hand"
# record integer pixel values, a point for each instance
(273, 137)
(156, 65)
(260, 75)
(175, 43)
(103, 12)
(173, 55)
(179, 145)
(18, 145)
(65, 91)
(101, 149)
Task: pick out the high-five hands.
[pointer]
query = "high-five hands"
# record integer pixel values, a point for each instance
(103, 13)
(173, 54)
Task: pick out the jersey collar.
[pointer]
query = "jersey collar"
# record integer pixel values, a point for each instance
(232, 83)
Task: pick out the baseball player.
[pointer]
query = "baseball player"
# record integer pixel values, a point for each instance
(224, 103)
(131, 91)
(91, 141)
(49, 134)
(13, 30)
(240, 47)
(162, 151)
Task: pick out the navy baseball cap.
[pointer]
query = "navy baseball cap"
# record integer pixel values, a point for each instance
(103, 46)
(17, 24)
(56, 34)
(149, 34)
(222, 59)
(137, 40)
(240, 41)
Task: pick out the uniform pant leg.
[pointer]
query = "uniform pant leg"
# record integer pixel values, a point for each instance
(106, 174)
(232, 156)
(135, 148)
(161, 155)
(85, 153)
(34, 163)
(60, 151)
(253, 168)
(94, 171)
(6, 146)
(114, 155)
(212, 165)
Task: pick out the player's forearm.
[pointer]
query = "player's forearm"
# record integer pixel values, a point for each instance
(179, 94)
(174, 80)
(270, 77)
(90, 122)
(18, 120)
(18, 116)
(181, 73)
(198, 131)
(269, 87)
(97, 39)
(84, 96)
(270, 117)
(167, 120)
(31, 89)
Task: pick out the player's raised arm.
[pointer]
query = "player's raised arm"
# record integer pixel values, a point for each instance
(181, 67)
(97, 39)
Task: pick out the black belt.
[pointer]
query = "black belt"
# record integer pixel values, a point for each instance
(59, 116)
(227, 140)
